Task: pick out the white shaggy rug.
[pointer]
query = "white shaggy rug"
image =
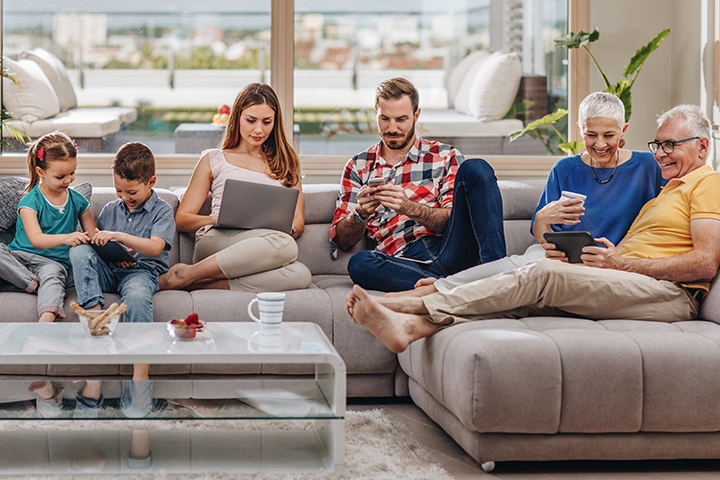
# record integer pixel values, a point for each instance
(377, 447)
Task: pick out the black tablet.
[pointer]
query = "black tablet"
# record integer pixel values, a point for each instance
(113, 252)
(571, 243)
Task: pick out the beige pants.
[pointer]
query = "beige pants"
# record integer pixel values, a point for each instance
(253, 260)
(548, 286)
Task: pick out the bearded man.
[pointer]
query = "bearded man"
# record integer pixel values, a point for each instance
(424, 209)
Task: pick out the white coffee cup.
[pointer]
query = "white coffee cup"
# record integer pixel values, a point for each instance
(270, 306)
(567, 195)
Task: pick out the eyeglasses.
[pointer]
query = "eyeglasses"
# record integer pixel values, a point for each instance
(668, 146)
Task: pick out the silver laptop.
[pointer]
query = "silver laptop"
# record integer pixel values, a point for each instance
(256, 205)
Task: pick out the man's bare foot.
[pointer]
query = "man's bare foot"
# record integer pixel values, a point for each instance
(396, 330)
(175, 278)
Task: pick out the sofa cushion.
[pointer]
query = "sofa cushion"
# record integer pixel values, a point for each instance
(459, 72)
(56, 73)
(11, 191)
(710, 306)
(494, 87)
(33, 97)
(462, 98)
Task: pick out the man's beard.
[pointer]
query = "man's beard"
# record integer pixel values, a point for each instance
(403, 141)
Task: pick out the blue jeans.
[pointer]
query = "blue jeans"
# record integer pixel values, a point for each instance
(136, 401)
(93, 276)
(474, 234)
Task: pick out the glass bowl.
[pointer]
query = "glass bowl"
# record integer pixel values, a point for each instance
(106, 327)
(184, 332)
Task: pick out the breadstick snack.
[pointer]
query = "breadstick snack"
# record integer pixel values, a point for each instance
(100, 322)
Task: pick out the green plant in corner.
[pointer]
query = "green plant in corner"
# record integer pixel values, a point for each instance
(15, 133)
(621, 89)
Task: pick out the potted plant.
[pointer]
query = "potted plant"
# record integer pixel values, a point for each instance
(543, 129)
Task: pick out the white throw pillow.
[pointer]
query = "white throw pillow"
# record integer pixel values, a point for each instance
(457, 75)
(33, 98)
(462, 99)
(57, 74)
(495, 86)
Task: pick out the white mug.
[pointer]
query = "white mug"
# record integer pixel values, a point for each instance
(270, 306)
(566, 195)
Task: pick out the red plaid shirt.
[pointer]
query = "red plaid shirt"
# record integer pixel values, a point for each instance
(427, 173)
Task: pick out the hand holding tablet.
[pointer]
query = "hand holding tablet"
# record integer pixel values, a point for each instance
(113, 252)
(571, 243)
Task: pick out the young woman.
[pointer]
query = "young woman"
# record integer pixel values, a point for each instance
(37, 260)
(255, 149)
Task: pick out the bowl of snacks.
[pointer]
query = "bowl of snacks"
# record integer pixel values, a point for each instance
(98, 323)
(186, 329)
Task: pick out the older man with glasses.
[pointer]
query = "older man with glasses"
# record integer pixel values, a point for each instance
(659, 271)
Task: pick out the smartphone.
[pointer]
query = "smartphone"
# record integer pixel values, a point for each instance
(571, 243)
(376, 182)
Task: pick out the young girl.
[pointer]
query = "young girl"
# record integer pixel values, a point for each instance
(37, 260)
(254, 148)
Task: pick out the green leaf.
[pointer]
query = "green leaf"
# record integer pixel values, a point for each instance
(636, 62)
(572, 147)
(548, 119)
(622, 90)
(577, 39)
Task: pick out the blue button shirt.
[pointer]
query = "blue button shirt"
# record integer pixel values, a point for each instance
(154, 218)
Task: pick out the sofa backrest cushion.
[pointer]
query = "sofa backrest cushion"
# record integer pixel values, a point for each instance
(33, 97)
(494, 87)
(455, 78)
(710, 306)
(57, 74)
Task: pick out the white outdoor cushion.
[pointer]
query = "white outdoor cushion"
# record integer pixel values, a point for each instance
(126, 115)
(33, 98)
(451, 123)
(494, 87)
(56, 73)
(458, 74)
(462, 98)
(74, 124)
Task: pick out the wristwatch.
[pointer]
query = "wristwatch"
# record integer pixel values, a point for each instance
(358, 219)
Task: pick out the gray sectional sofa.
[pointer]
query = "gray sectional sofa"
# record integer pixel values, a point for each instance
(541, 388)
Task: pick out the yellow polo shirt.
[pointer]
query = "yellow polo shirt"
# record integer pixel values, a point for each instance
(662, 228)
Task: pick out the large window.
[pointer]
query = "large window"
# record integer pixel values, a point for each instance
(343, 50)
(175, 63)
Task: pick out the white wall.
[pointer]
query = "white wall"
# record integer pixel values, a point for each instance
(670, 76)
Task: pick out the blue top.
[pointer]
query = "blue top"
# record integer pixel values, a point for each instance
(154, 218)
(610, 208)
(53, 220)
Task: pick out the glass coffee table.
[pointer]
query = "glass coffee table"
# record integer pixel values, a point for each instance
(233, 423)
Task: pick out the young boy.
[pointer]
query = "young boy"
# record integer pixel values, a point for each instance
(140, 220)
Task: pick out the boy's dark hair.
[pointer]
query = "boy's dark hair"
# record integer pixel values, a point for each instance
(134, 161)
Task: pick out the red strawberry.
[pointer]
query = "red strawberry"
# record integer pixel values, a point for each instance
(192, 319)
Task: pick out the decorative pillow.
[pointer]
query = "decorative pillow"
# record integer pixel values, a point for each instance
(57, 74)
(33, 98)
(11, 191)
(457, 75)
(462, 99)
(84, 189)
(495, 86)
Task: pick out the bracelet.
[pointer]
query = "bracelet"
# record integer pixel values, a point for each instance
(293, 230)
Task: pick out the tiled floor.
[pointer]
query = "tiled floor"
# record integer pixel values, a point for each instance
(462, 467)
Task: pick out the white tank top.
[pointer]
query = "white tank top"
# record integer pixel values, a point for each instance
(222, 170)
